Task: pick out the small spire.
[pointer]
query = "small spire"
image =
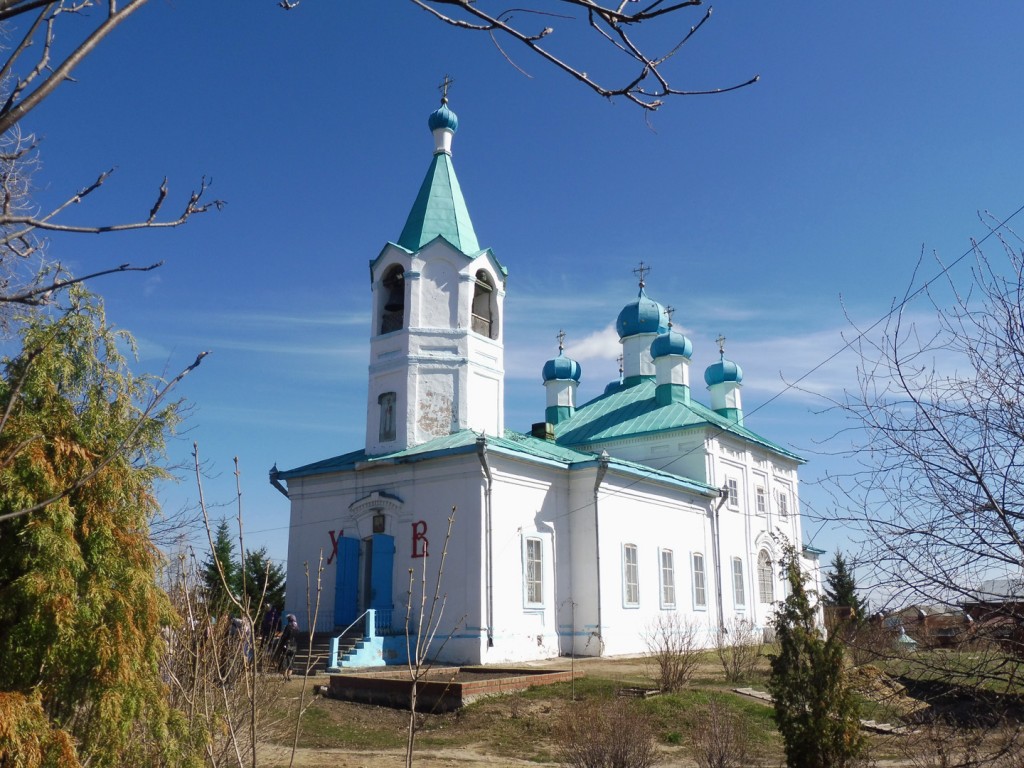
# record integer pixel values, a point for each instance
(443, 88)
(641, 272)
(561, 340)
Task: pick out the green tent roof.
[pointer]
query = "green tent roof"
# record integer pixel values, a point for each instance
(440, 211)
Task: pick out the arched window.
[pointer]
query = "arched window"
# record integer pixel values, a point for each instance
(485, 319)
(765, 579)
(392, 316)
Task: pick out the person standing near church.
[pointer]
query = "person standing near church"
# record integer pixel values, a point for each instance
(289, 644)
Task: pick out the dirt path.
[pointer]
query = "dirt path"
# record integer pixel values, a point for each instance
(468, 757)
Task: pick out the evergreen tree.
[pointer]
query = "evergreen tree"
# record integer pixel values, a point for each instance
(223, 552)
(841, 588)
(815, 709)
(260, 571)
(81, 613)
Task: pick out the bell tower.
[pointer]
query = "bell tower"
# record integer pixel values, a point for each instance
(436, 351)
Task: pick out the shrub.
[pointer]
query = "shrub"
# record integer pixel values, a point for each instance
(739, 645)
(610, 733)
(673, 650)
(719, 737)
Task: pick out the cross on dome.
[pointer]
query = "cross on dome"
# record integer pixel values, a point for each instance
(721, 344)
(443, 88)
(641, 272)
(561, 339)
(670, 311)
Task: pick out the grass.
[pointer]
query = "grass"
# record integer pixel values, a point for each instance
(986, 669)
(524, 725)
(322, 730)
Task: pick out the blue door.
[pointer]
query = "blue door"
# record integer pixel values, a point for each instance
(346, 585)
(381, 569)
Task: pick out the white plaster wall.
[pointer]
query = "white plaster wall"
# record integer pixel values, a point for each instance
(556, 506)
(673, 370)
(428, 490)
(529, 501)
(435, 297)
(578, 613)
(679, 453)
(636, 355)
(651, 518)
(745, 531)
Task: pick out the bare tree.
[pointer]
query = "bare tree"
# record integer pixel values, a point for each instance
(936, 490)
(421, 625)
(637, 68)
(50, 39)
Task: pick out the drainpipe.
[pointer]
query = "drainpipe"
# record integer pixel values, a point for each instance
(277, 483)
(716, 544)
(602, 469)
(481, 452)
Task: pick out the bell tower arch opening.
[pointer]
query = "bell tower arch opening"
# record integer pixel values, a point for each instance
(485, 306)
(392, 312)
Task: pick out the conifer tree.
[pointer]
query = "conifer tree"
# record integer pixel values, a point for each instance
(81, 614)
(263, 578)
(215, 587)
(815, 710)
(841, 588)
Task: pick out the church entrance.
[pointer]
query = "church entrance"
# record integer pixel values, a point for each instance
(378, 569)
(359, 588)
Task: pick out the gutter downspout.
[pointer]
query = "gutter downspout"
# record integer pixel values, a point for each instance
(481, 452)
(602, 469)
(716, 543)
(277, 483)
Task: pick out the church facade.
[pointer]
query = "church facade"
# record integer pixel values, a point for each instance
(573, 538)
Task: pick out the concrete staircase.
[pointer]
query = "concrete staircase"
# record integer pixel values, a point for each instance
(321, 654)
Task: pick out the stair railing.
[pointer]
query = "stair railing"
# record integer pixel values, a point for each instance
(368, 629)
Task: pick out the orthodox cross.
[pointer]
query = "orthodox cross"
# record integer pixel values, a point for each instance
(620, 359)
(721, 344)
(670, 311)
(641, 272)
(561, 340)
(443, 88)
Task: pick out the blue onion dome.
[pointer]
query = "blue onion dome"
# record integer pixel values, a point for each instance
(442, 117)
(642, 316)
(561, 368)
(723, 371)
(671, 343)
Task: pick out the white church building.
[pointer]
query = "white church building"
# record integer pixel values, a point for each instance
(573, 538)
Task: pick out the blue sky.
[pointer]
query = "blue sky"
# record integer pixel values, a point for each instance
(876, 129)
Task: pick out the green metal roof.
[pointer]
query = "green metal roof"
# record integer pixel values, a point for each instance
(631, 409)
(440, 211)
(512, 445)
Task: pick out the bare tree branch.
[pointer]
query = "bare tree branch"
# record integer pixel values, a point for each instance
(16, 109)
(648, 86)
